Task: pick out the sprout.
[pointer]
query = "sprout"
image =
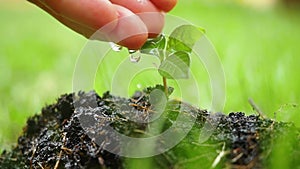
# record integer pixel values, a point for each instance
(174, 52)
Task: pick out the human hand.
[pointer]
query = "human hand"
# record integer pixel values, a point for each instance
(126, 22)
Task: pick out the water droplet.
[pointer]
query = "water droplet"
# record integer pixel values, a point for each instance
(131, 51)
(115, 47)
(135, 56)
(154, 52)
(139, 86)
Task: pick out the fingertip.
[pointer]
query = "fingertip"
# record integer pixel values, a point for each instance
(154, 22)
(130, 30)
(165, 5)
(134, 42)
(152, 17)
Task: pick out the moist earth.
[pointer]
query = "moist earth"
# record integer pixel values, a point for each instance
(67, 134)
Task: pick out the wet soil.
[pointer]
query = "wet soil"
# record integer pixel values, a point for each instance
(57, 138)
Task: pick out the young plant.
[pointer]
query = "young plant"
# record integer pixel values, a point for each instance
(174, 52)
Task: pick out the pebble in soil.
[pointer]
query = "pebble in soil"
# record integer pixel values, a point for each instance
(65, 137)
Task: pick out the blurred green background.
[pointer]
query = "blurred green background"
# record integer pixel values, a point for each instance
(258, 45)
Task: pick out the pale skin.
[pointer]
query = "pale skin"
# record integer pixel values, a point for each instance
(88, 16)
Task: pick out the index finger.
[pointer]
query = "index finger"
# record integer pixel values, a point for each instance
(93, 13)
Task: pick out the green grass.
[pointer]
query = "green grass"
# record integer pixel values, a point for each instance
(259, 50)
(37, 58)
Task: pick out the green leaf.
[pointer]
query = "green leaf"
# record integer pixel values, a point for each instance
(175, 66)
(184, 37)
(155, 46)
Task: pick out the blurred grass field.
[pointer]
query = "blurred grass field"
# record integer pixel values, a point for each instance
(259, 50)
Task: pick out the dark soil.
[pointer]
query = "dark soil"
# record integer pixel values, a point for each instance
(55, 138)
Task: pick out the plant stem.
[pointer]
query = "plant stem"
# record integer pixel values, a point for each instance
(165, 86)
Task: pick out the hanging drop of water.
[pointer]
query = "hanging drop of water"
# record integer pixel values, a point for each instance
(135, 56)
(131, 51)
(115, 47)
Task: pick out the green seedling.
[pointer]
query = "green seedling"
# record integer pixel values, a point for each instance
(174, 52)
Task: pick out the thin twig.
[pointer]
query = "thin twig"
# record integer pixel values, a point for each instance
(139, 99)
(165, 86)
(256, 108)
(32, 156)
(101, 162)
(61, 152)
(41, 165)
(33, 153)
(141, 132)
(235, 159)
(219, 157)
(13, 159)
(59, 157)
(67, 150)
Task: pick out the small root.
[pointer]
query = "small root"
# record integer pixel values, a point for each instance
(61, 152)
(32, 156)
(41, 165)
(235, 159)
(101, 162)
(142, 107)
(220, 156)
(67, 150)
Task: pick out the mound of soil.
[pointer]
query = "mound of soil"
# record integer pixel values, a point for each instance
(56, 139)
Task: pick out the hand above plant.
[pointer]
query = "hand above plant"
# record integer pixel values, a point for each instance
(87, 16)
